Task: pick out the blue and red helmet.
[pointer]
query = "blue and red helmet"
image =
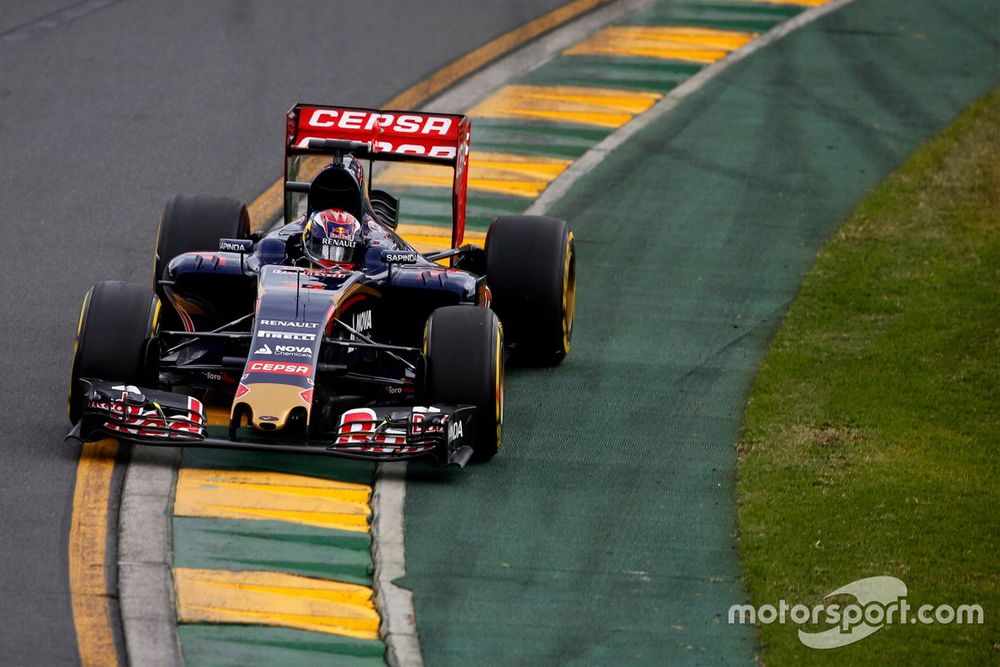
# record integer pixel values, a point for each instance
(333, 238)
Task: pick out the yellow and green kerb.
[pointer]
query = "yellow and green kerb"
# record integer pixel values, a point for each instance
(272, 560)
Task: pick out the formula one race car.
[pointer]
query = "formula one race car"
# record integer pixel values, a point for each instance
(327, 333)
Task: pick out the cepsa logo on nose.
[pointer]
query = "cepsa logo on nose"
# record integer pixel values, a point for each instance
(279, 368)
(362, 120)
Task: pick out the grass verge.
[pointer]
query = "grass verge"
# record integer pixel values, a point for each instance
(871, 438)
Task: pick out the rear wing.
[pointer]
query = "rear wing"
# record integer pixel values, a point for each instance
(382, 136)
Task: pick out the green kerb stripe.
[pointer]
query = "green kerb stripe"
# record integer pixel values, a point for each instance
(358, 472)
(726, 16)
(430, 206)
(275, 546)
(612, 72)
(263, 646)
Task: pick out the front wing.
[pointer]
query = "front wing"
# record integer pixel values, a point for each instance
(150, 417)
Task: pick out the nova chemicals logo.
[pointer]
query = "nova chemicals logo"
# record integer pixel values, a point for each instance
(292, 351)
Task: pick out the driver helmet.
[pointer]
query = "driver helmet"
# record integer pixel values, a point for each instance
(333, 238)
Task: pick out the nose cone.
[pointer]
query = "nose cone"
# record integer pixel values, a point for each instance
(271, 404)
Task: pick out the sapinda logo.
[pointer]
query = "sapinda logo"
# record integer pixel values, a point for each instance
(399, 257)
(235, 245)
(278, 368)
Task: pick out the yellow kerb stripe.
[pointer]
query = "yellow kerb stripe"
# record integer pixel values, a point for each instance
(799, 3)
(700, 45)
(503, 173)
(262, 495)
(603, 107)
(273, 598)
(88, 531)
(427, 238)
(217, 415)
(489, 52)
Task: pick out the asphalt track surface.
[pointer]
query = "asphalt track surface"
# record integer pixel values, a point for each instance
(102, 119)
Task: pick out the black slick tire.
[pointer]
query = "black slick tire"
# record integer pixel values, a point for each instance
(465, 366)
(115, 339)
(531, 273)
(193, 223)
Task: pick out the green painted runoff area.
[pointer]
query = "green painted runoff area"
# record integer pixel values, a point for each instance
(604, 532)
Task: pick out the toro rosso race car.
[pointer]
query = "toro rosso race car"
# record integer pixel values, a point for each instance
(327, 333)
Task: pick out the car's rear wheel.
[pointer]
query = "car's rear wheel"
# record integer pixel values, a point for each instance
(465, 366)
(531, 272)
(193, 223)
(115, 339)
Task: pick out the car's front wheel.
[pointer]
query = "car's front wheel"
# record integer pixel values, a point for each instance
(116, 339)
(465, 366)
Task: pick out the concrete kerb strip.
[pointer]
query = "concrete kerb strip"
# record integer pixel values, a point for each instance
(394, 604)
(145, 580)
(561, 185)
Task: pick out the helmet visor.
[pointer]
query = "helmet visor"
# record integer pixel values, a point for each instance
(333, 250)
